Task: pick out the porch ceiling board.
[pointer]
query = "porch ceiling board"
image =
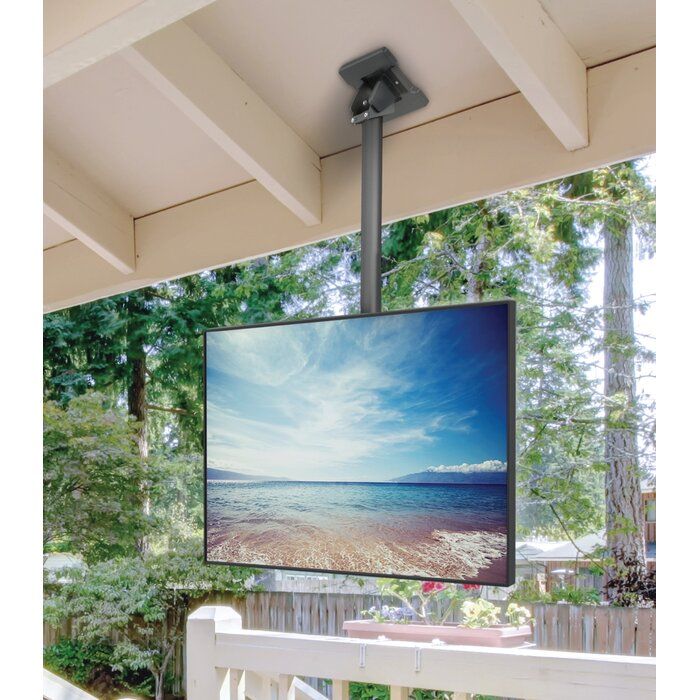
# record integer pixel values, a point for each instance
(466, 156)
(78, 33)
(538, 58)
(181, 66)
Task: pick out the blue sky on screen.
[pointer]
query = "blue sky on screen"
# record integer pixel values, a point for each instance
(363, 399)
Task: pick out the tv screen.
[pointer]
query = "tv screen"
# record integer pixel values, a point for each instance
(378, 444)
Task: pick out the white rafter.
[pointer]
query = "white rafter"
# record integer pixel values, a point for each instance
(82, 209)
(538, 58)
(198, 81)
(78, 33)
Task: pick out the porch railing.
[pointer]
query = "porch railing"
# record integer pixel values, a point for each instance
(226, 661)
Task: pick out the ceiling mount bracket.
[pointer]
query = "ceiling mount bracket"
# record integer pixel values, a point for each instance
(383, 90)
(383, 93)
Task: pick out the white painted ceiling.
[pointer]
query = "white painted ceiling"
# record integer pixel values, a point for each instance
(110, 123)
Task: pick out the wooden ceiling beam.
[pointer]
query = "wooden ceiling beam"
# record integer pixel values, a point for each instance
(82, 209)
(202, 86)
(538, 58)
(78, 33)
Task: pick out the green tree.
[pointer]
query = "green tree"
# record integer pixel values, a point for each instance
(143, 600)
(618, 204)
(92, 472)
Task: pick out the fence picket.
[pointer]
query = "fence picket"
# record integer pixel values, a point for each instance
(588, 627)
(575, 628)
(550, 621)
(602, 630)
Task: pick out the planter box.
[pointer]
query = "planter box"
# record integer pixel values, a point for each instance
(500, 636)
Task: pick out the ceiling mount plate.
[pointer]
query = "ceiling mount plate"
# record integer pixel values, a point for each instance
(382, 88)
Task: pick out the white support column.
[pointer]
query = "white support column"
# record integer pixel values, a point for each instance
(341, 690)
(204, 680)
(397, 692)
(284, 685)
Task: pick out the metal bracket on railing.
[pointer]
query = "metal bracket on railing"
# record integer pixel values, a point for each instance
(383, 93)
(417, 660)
(363, 655)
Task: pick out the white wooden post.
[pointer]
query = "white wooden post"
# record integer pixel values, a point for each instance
(284, 685)
(341, 689)
(204, 680)
(398, 692)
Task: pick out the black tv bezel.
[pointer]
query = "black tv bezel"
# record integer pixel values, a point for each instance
(510, 471)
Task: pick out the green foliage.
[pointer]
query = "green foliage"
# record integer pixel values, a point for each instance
(90, 665)
(575, 596)
(177, 496)
(527, 591)
(93, 503)
(372, 691)
(80, 661)
(143, 600)
(368, 691)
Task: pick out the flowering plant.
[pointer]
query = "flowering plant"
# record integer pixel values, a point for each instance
(431, 602)
(387, 613)
(479, 613)
(518, 615)
(482, 613)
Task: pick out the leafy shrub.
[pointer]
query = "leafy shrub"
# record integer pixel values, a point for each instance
(527, 591)
(575, 596)
(371, 691)
(143, 601)
(90, 665)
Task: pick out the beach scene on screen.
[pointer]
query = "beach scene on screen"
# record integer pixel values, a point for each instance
(374, 445)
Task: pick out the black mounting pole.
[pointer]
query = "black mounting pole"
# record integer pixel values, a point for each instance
(383, 92)
(371, 226)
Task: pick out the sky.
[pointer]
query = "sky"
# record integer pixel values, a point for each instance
(362, 399)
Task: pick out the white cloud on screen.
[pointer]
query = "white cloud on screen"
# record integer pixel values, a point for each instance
(490, 465)
(316, 401)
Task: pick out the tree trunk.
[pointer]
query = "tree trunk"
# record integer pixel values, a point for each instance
(137, 399)
(160, 685)
(136, 395)
(623, 501)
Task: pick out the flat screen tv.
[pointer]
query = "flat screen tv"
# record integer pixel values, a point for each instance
(377, 444)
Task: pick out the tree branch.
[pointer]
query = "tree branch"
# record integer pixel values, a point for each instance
(178, 411)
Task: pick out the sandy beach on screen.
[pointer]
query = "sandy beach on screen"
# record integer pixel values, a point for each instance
(476, 555)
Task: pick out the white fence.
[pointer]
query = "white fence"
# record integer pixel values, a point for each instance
(225, 661)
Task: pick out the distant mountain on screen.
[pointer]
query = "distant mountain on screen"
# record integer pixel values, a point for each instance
(489, 472)
(226, 475)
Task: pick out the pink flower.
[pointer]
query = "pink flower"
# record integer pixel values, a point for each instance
(470, 586)
(432, 586)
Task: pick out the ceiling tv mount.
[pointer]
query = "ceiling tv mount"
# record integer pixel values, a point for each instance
(383, 93)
